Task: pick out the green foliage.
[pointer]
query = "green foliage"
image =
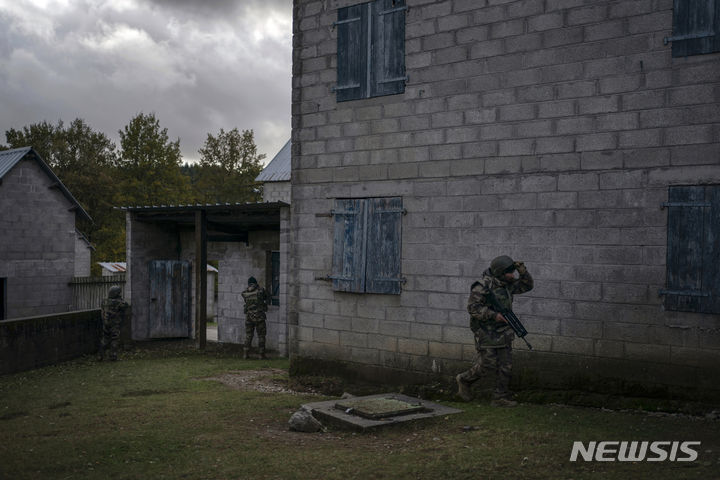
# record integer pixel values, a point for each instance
(146, 170)
(149, 164)
(84, 160)
(228, 166)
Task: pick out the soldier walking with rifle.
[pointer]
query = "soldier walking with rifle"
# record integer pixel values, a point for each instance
(495, 325)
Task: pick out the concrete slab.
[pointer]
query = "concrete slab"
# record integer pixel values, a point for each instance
(356, 413)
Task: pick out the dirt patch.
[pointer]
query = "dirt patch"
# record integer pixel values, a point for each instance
(266, 380)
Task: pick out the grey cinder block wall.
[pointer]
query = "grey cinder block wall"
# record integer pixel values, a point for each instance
(37, 242)
(549, 130)
(237, 261)
(276, 192)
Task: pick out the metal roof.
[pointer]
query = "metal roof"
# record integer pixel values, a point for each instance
(10, 158)
(121, 267)
(221, 217)
(244, 207)
(115, 267)
(278, 170)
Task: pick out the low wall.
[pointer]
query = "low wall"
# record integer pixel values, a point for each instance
(542, 371)
(31, 342)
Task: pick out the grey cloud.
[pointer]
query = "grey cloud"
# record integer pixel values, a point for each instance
(194, 88)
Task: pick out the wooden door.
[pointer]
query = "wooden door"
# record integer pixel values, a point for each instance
(170, 287)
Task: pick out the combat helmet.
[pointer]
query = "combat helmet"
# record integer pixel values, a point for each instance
(501, 264)
(114, 292)
(252, 281)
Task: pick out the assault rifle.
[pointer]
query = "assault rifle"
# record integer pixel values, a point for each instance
(511, 318)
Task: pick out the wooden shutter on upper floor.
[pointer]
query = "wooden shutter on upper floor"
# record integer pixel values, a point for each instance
(388, 47)
(696, 27)
(352, 52)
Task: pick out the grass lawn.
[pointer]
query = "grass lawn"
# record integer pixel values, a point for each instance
(153, 415)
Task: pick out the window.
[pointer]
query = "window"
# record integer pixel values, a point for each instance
(273, 276)
(3, 298)
(367, 245)
(370, 50)
(696, 27)
(693, 251)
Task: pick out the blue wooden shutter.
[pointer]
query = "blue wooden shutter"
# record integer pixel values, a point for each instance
(711, 251)
(349, 250)
(686, 239)
(388, 47)
(352, 52)
(384, 241)
(695, 27)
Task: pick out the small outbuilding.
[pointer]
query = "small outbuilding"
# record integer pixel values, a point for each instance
(40, 248)
(164, 244)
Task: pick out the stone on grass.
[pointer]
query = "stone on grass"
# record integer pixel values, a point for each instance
(303, 421)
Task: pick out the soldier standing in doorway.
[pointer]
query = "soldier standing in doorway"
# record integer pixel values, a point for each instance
(493, 336)
(113, 310)
(255, 307)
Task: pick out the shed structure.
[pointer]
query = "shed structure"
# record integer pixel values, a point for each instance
(164, 244)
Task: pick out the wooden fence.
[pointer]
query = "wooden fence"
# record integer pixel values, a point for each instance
(89, 292)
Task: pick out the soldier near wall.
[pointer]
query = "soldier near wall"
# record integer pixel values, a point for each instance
(114, 311)
(255, 307)
(493, 335)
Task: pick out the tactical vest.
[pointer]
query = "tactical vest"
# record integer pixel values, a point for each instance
(113, 309)
(255, 304)
(503, 296)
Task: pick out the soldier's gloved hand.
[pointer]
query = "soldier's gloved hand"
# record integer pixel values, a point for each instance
(520, 267)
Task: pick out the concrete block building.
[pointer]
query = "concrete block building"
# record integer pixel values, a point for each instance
(275, 177)
(245, 239)
(580, 137)
(162, 248)
(40, 249)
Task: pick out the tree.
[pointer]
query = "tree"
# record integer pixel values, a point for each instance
(229, 164)
(41, 136)
(84, 160)
(150, 164)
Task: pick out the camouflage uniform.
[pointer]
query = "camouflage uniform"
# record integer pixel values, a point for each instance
(114, 310)
(255, 307)
(493, 339)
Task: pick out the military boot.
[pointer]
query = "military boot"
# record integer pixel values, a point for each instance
(463, 388)
(246, 353)
(262, 353)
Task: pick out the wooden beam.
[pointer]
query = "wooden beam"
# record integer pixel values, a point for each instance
(201, 278)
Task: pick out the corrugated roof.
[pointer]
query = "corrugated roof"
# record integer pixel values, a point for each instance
(115, 267)
(278, 170)
(121, 267)
(10, 158)
(239, 207)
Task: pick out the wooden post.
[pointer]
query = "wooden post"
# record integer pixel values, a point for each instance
(201, 278)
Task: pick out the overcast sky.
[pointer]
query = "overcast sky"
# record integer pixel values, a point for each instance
(198, 65)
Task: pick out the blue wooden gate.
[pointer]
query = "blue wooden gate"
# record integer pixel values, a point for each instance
(170, 300)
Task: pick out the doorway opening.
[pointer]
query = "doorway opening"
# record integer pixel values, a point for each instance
(213, 273)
